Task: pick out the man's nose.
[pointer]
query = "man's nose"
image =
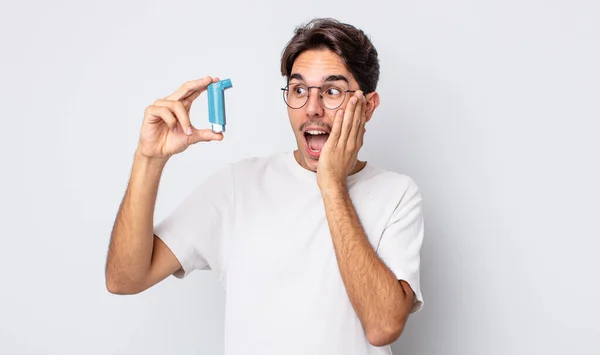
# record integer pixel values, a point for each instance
(313, 106)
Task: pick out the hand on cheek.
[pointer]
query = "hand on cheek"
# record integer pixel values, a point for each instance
(340, 152)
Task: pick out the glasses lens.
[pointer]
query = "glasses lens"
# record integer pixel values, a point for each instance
(296, 95)
(332, 96)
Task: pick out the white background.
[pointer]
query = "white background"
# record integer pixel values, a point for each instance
(493, 107)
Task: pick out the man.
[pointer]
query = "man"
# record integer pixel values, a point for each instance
(318, 251)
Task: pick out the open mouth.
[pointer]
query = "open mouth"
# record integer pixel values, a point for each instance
(315, 140)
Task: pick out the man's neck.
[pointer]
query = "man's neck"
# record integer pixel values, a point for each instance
(358, 167)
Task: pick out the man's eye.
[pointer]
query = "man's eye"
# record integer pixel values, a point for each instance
(299, 90)
(333, 91)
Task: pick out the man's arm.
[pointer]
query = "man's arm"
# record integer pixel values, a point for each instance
(137, 259)
(382, 302)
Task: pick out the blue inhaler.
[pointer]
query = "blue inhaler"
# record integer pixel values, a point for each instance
(216, 104)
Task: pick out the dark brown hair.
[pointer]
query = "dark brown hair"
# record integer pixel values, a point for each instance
(350, 43)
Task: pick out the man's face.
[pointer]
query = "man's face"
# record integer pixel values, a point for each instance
(318, 68)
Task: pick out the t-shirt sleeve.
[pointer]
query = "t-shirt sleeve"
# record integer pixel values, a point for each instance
(400, 245)
(195, 231)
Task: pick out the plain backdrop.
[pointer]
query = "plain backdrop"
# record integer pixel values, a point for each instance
(492, 107)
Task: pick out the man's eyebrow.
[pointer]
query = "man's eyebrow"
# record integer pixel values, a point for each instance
(296, 76)
(338, 77)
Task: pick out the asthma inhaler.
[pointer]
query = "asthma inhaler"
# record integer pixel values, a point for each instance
(216, 104)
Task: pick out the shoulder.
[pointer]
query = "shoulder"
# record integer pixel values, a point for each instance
(399, 194)
(393, 181)
(394, 191)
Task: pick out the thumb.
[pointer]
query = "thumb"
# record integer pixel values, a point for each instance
(204, 135)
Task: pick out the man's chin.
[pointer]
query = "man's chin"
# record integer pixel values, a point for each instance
(307, 160)
(312, 163)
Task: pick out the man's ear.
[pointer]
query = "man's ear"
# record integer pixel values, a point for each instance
(372, 103)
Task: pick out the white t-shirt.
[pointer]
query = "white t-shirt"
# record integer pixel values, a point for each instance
(260, 224)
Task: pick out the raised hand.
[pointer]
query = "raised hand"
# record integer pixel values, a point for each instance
(340, 152)
(167, 129)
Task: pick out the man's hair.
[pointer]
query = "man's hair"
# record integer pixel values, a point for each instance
(350, 43)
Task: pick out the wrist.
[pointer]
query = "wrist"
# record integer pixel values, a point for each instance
(334, 189)
(149, 163)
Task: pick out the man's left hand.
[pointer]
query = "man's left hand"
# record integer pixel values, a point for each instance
(340, 152)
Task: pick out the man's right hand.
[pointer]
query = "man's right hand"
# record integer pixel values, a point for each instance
(167, 129)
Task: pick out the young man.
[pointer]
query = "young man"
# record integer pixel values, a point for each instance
(319, 252)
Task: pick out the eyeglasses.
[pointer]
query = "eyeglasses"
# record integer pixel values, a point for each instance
(331, 96)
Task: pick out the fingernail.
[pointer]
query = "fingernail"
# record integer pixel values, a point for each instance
(188, 131)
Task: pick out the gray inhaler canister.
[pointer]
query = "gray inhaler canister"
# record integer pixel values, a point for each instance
(216, 104)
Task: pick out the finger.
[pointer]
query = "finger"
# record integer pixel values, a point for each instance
(180, 113)
(358, 117)
(162, 113)
(205, 135)
(336, 128)
(361, 134)
(190, 88)
(195, 94)
(348, 118)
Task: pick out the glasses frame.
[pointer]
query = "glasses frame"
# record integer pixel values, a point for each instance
(287, 89)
